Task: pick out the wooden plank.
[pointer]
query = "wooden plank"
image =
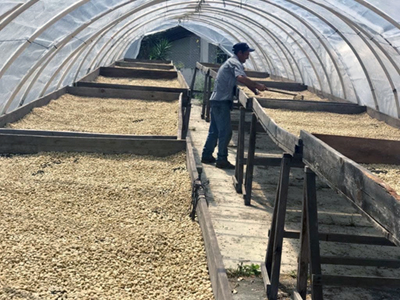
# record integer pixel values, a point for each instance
(216, 268)
(182, 81)
(213, 73)
(303, 105)
(273, 160)
(265, 277)
(250, 157)
(276, 248)
(243, 99)
(303, 259)
(90, 77)
(239, 166)
(310, 195)
(288, 86)
(356, 261)
(256, 74)
(203, 69)
(394, 122)
(370, 194)
(364, 150)
(358, 281)
(284, 139)
(180, 118)
(205, 94)
(137, 73)
(208, 106)
(152, 61)
(131, 87)
(129, 64)
(296, 296)
(28, 144)
(235, 126)
(345, 238)
(81, 134)
(122, 94)
(22, 111)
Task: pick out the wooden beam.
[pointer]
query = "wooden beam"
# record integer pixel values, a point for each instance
(80, 134)
(29, 144)
(284, 139)
(128, 64)
(394, 122)
(27, 108)
(359, 281)
(357, 261)
(364, 150)
(345, 238)
(244, 100)
(137, 73)
(122, 93)
(155, 61)
(90, 77)
(131, 87)
(367, 192)
(303, 105)
(288, 86)
(219, 279)
(182, 81)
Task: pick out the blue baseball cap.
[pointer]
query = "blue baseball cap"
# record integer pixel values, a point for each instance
(242, 47)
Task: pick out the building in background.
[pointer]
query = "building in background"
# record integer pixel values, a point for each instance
(186, 49)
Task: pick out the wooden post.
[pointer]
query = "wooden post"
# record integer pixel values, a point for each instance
(240, 151)
(208, 98)
(203, 107)
(303, 259)
(250, 161)
(192, 83)
(312, 228)
(275, 247)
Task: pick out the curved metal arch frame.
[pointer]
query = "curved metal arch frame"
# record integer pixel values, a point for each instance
(128, 41)
(53, 51)
(77, 56)
(367, 40)
(344, 38)
(51, 57)
(232, 2)
(103, 58)
(37, 33)
(359, 2)
(16, 13)
(127, 32)
(124, 47)
(378, 12)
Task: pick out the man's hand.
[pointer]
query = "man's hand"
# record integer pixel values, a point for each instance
(261, 87)
(252, 85)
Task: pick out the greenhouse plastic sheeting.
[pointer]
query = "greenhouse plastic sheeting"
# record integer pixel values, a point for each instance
(346, 48)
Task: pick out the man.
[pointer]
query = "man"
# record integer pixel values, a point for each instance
(221, 103)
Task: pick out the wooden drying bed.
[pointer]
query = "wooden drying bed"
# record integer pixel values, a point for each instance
(99, 226)
(144, 65)
(117, 116)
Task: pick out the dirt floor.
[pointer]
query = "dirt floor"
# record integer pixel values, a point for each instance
(242, 230)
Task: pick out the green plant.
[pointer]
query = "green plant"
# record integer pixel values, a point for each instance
(179, 65)
(160, 50)
(244, 270)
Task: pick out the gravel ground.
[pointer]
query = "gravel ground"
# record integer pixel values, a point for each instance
(360, 125)
(390, 174)
(91, 226)
(172, 83)
(119, 116)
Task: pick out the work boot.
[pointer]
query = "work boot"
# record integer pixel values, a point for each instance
(208, 160)
(224, 165)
